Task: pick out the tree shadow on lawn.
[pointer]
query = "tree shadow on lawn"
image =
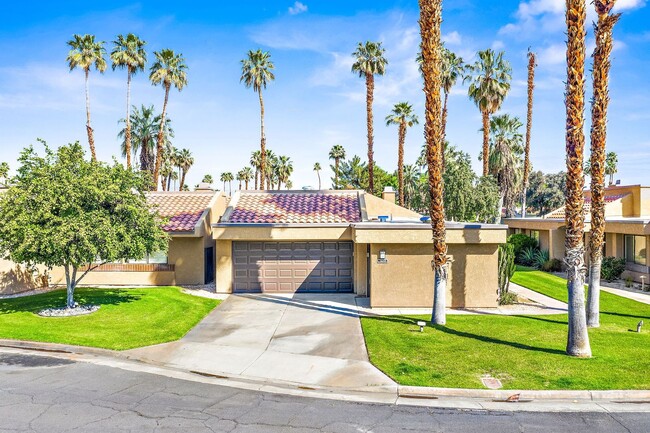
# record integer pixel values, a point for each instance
(634, 316)
(57, 298)
(492, 340)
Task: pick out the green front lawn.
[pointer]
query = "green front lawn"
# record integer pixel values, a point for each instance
(525, 352)
(128, 318)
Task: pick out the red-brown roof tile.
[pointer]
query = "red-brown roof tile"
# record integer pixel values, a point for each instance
(559, 213)
(296, 208)
(183, 210)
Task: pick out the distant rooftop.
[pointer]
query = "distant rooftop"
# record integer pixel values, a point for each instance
(183, 210)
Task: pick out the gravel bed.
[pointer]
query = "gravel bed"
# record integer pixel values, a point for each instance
(77, 310)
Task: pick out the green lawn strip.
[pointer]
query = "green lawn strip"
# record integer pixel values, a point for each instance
(526, 352)
(128, 318)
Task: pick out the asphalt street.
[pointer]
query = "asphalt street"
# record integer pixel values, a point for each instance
(46, 394)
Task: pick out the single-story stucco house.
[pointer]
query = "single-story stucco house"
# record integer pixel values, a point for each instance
(627, 228)
(342, 241)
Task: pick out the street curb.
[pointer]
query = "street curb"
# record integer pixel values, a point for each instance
(402, 391)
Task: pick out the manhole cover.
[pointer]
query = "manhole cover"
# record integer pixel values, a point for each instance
(491, 382)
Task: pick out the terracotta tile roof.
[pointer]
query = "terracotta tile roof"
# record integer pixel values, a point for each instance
(296, 208)
(183, 210)
(559, 213)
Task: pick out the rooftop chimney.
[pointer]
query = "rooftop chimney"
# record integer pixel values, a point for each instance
(388, 194)
(203, 187)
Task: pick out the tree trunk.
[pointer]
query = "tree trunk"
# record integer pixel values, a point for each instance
(169, 182)
(400, 161)
(246, 184)
(262, 143)
(444, 130)
(127, 135)
(318, 173)
(89, 129)
(160, 148)
(336, 175)
(230, 187)
(182, 184)
(256, 176)
(486, 141)
(71, 284)
(603, 33)
(370, 88)
(577, 337)
(430, 20)
(529, 125)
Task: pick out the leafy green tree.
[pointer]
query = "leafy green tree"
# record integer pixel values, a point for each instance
(353, 174)
(489, 79)
(546, 192)
(85, 53)
(169, 69)
(4, 172)
(283, 170)
(128, 53)
(403, 116)
(256, 72)
(369, 61)
(207, 179)
(66, 211)
(337, 153)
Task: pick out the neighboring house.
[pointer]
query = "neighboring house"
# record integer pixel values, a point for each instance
(335, 241)
(189, 260)
(627, 228)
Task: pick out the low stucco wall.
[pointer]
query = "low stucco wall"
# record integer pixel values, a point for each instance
(102, 278)
(15, 278)
(406, 280)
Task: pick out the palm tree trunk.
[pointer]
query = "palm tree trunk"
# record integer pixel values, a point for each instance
(160, 149)
(577, 337)
(430, 20)
(127, 135)
(400, 161)
(370, 88)
(529, 125)
(89, 129)
(182, 184)
(246, 184)
(318, 173)
(486, 141)
(603, 33)
(256, 176)
(262, 141)
(444, 130)
(230, 187)
(169, 182)
(336, 175)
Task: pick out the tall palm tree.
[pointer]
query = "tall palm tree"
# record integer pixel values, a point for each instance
(256, 72)
(84, 53)
(611, 166)
(173, 177)
(369, 61)
(4, 172)
(402, 116)
(317, 169)
(227, 177)
(505, 159)
(270, 175)
(256, 162)
(489, 79)
(185, 161)
(240, 178)
(247, 176)
(128, 52)
(144, 131)
(337, 153)
(577, 337)
(430, 20)
(600, 102)
(169, 69)
(529, 124)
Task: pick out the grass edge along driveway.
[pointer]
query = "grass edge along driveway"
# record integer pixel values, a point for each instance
(128, 317)
(525, 352)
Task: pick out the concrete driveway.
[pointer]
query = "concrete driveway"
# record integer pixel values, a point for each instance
(311, 339)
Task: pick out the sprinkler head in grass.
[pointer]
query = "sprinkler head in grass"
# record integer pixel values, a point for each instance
(638, 326)
(422, 324)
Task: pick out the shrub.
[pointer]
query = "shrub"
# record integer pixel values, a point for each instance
(541, 257)
(612, 268)
(520, 242)
(527, 256)
(553, 265)
(508, 298)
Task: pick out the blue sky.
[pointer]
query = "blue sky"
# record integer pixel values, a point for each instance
(316, 101)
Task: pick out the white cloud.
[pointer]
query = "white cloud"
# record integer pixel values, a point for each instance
(498, 45)
(452, 38)
(552, 55)
(297, 8)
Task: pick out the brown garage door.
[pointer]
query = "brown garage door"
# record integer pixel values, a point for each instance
(292, 267)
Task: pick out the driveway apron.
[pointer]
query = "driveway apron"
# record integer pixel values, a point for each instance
(309, 339)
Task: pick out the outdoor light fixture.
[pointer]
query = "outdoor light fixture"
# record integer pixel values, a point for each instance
(382, 257)
(422, 324)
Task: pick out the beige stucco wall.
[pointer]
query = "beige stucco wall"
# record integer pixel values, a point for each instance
(223, 268)
(165, 278)
(361, 269)
(16, 279)
(187, 255)
(393, 234)
(406, 280)
(279, 233)
(377, 206)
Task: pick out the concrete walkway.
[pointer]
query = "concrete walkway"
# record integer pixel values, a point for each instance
(305, 339)
(635, 295)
